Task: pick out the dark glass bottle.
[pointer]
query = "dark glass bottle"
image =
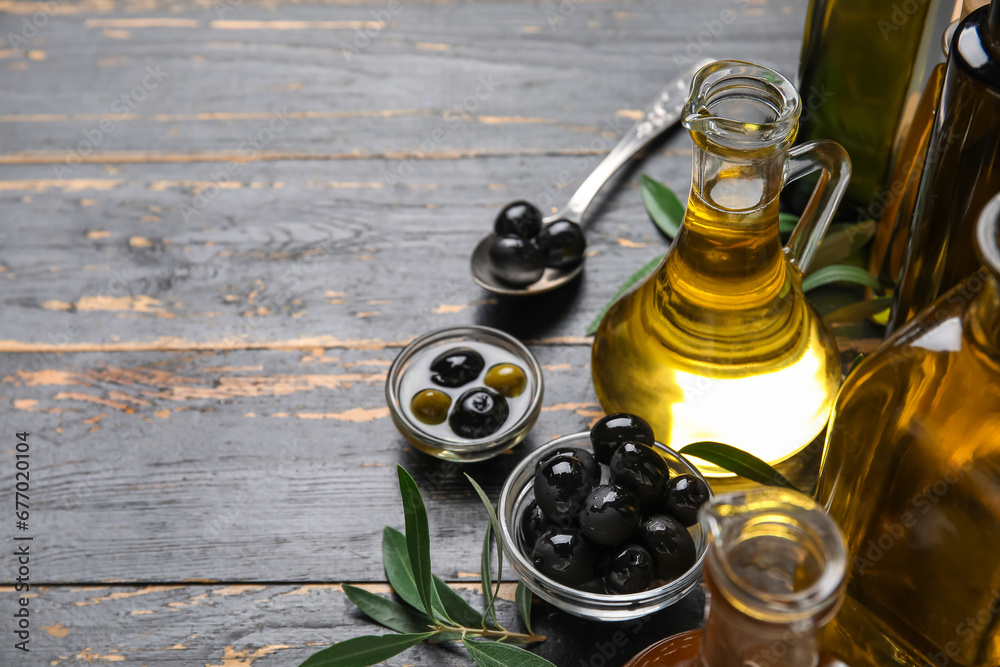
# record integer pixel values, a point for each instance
(863, 65)
(962, 170)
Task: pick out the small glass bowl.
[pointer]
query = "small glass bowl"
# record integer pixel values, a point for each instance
(518, 491)
(461, 449)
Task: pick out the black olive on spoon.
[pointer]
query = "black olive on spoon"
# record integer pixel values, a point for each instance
(506, 266)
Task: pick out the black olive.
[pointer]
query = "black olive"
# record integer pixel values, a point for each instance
(456, 367)
(478, 413)
(630, 571)
(684, 495)
(590, 464)
(595, 585)
(519, 218)
(638, 468)
(562, 243)
(617, 429)
(564, 556)
(561, 485)
(670, 545)
(534, 523)
(610, 515)
(516, 261)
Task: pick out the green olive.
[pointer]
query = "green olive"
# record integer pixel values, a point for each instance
(431, 406)
(507, 379)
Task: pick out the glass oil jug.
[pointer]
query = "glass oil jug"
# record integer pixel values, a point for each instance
(911, 472)
(719, 342)
(774, 571)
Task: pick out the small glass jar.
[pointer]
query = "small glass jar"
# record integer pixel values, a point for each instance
(436, 440)
(517, 494)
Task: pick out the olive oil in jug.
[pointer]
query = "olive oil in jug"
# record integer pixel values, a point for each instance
(720, 343)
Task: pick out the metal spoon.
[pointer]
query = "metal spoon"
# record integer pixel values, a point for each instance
(660, 116)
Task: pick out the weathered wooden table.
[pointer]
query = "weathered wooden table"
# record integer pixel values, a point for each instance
(221, 219)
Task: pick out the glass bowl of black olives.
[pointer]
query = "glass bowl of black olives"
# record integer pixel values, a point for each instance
(464, 393)
(605, 529)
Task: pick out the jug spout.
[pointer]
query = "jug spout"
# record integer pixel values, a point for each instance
(739, 106)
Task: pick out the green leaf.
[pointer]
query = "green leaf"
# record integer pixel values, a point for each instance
(646, 269)
(364, 651)
(396, 561)
(861, 310)
(418, 540)
(389, 613)
(497, 534)
(494, 522)
(662, 205)
(459, 611)
(841, 241)
(485, 575)
(787, 222)
(492, 654)
(839, 273)
(737, 461)
(523, 599)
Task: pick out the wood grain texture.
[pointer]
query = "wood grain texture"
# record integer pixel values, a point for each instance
(292, 251)
(247, 466)
(262, 625)
(242, 466)
(175, 238)
(220, 221)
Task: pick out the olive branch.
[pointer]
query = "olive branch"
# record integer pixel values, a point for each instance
(433, 612)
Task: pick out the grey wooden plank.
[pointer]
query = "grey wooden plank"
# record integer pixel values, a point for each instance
(261, 625)
(314, 255)
(547, 55)
(242, 466)
(313, 244)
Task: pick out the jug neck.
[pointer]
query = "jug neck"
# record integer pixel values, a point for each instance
(742, 118)
(728, 255)
(775, 574)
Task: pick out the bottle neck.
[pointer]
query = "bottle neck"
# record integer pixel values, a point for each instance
(731, 638)
(985, 310)
(984, 314)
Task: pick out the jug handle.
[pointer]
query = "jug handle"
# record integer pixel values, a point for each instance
(831, 160)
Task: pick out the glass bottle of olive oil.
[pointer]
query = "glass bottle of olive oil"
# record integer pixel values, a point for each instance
(719, 342)
(774, 570)
(895, 211)
(962, 170)
(863, 66)
(911, 472)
